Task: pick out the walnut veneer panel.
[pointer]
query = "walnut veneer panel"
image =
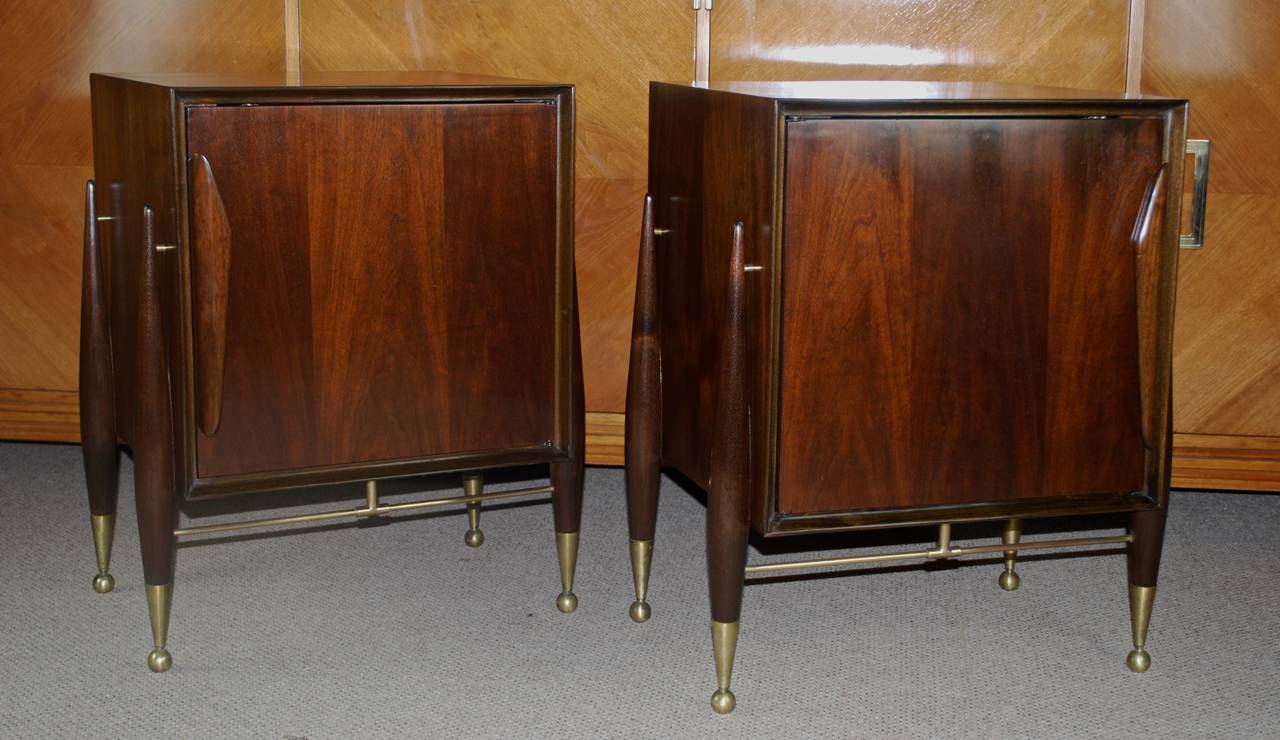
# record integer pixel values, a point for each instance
(47, 50)
(1029, 387)
(451, 210)
(1227, 328)
(608, 50)
(1067, 43)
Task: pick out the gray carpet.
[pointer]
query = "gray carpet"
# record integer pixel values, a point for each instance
(341, 631)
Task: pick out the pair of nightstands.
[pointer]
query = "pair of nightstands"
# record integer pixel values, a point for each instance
(858, 305)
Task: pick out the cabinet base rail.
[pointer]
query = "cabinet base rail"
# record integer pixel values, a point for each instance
(943, 551)
(371, 509)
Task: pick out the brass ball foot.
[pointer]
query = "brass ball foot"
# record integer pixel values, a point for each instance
(474, 538)
(640, 611)
(1010, 580)
(103, 583)
(723, 701)
(567, 602)
(1138, 661)
(159, 660)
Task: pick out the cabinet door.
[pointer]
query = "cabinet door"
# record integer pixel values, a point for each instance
(392, 282)
(960, 316)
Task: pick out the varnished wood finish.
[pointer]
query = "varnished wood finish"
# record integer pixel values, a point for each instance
(507, 316)
(324, 369)
(1226, 345)
(211, 268)
(46, 154)
(1067, 43)
(1045, 389)
(644, 391)
(730, 483)
(609, 50)
(134, 145)
(606, 438)
(1226, 461)
(566, 477)
(43, 416)
(153, 450)
(1029, 388)
(97, 387)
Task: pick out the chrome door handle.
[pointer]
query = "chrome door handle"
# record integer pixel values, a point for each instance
(1199, 193)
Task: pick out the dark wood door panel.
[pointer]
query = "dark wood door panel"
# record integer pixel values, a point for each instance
(403, 301)
(960, 313)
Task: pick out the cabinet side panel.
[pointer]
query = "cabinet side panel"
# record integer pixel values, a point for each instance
(133, 168)
(392, 282)
(711, 166)
(960, 321)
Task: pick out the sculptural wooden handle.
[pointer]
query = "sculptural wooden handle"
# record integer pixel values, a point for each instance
(211, 263)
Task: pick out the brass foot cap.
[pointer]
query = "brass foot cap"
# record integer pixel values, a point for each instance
(103, 583)
(640, 611)
(567, 602)
(159, 660)
(723, 701)
(1010, 581)
(1138, 661)
(474, 538)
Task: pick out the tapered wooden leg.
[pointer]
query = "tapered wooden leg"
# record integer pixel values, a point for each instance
(97, 397)
(1009, 579)
(1147, 528)
(155, 492)
(473, 485)
(727, 525)
(566, 478)
(643, 417)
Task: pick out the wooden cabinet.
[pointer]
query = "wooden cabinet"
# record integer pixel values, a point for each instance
(878, 304)
(366, 276)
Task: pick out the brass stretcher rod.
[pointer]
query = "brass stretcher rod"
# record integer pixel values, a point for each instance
(944, 551)
(372, 509)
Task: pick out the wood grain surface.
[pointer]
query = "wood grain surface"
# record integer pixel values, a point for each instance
(1227, 330)
(47, 50)
(977, 346)
(450, 209)
(1064, 43)
(608, 50)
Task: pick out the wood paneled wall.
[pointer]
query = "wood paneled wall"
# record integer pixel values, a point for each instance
(47, 50)
(1226, 361)
(1226, 364)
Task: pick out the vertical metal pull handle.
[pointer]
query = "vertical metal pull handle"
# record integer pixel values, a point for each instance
(1199, 193)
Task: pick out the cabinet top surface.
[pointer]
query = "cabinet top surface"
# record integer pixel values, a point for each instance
(324, 80)
(905, 90)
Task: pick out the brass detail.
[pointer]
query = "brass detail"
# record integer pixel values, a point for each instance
(1009, 579)
(104, 530)
(473, 485)
(1199, 193)
(938, 554)
(1140, 601)
(371, 498)
(641, 557)
(106, 218)
(567, 552)
(165, 247)
(752, 268)
(661, 232)
(724, 643)
(373, 511)
(159, 600)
